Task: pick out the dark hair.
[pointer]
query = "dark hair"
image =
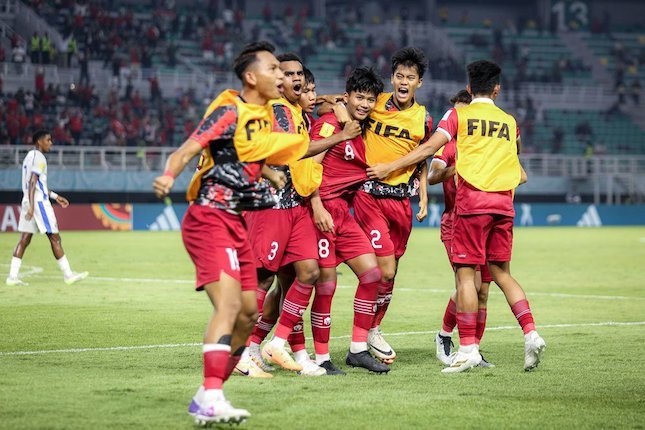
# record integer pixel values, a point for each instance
(364, 79)
(409, 57)
(248, 56)
(289, 56)
(39, 134)
(483, 75)
(309, 76)
(462, 96)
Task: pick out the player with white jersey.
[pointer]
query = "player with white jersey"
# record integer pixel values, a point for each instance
(37, 213)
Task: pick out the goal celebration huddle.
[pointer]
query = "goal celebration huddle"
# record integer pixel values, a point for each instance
(289, 185)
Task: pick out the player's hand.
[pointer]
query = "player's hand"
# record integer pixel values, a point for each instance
(30, 214)
(351, 130)
(323, 220)
(278, 180)
(342, 115)
(423, 210)
(62, 201)
(329, 98)
(379, 171)
(162, 185)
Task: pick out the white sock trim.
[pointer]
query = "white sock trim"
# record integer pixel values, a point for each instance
(63, 263)
(321, 358)
(208, 347)
(14, 268)
(356, 347)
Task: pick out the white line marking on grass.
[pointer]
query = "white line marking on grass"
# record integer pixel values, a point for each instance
(31, 270)
(405, 333)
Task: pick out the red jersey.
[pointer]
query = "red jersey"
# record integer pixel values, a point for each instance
(344, 165)
(447, 156)
(469, 200)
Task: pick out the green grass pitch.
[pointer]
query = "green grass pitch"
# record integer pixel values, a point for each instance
(580, 283)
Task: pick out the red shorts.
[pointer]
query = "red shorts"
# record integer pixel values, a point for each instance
(486, 276)
(386, 221)
(348, 240)
(217, 242)
(281, 236)
(480, 238)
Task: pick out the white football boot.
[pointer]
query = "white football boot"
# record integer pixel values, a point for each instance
(444, 349)
(15, 282)
(75, 277)
(208, 409)
(379, 347)
(463, 361)
(534, 347)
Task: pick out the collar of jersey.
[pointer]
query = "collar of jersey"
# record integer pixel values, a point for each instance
(482, 100)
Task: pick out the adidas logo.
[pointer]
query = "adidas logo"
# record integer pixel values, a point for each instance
(167, 220)
(590, 218)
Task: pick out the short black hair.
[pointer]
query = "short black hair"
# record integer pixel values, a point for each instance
(462, 96)
(364, 79)
(409, 57)
(289, 56)
(248, 56)
(483, 76)
(39, 134)
(309, 76)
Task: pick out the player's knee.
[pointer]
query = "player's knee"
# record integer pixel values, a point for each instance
(247, 319)
(482, 297)
(388, 274)
(25, 241)
(309, 275)
(370, 276)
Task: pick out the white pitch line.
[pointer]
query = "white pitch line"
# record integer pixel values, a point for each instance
(405, 333)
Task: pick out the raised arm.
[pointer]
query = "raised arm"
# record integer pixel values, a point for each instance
(175, 164)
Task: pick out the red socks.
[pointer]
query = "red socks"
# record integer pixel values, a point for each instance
(481, 325)
(321, 315)
(450, 317)
(467, 324)
(216, 359)
(365, 303)
(522, 312)
(261, 330)
(294, 306)
(384, 298)
(296, 338)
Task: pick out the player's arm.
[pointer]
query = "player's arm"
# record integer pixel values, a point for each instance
(418, 154)
(439, 172)
(33, 180)
(58, 199)
(326, 102)
(523, 175)
(423, 193)
(322, 218)
(349, 131)
(278, 179)
(176, 163)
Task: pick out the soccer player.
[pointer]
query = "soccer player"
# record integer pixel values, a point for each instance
(285, 235)
(37, 213)
(234, 139)
(382, 208)
(340, 238)
(442, 170)
(487, 171)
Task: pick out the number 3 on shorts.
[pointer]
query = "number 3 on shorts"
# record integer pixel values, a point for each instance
(274, 250)
(376, 236)
(323, 248)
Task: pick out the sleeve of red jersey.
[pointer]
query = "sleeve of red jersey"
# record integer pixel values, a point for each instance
(447, 153)
(449, 124)
(219, 125)
(325, 126)
(283, 119)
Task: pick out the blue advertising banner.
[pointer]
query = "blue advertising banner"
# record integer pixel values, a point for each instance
(160, 217)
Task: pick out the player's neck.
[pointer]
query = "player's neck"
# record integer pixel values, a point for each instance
(403, 106)
(252, 96)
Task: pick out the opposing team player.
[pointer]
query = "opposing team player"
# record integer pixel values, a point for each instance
(37, 213)
(285, 235)
(340, 238)
(235, 140)
(487, 171)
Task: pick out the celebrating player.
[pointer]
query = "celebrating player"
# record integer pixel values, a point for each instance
(235, 140)
(37, 213)
(488, 170)
(285, 235)
(382, 208)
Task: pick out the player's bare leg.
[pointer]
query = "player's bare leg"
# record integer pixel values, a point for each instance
(482, 313)
(209, 403)
(467, 305)
(369, 281)
(534, 345)
(251, 364)
(57, 248)
(294, 306)
(16, 260)
(377, 344)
